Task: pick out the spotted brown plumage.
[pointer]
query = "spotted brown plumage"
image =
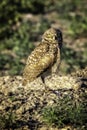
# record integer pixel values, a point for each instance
(46, 56)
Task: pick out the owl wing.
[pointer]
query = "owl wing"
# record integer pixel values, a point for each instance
(39, 60)
(37, 54)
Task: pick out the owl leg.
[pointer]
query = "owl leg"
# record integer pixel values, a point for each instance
(42, 78)
(55, 68)
(45, 74)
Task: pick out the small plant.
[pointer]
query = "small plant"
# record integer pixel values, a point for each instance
(7, 120)
(64, 113)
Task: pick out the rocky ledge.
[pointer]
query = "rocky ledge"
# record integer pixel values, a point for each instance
(21, 106)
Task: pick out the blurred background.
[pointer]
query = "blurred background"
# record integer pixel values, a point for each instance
(22, 23)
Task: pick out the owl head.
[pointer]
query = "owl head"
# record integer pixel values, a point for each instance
(53, 36)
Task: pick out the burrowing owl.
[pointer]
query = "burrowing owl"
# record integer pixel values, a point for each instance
(45, 57)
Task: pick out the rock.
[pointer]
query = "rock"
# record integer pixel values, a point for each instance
(25, 103)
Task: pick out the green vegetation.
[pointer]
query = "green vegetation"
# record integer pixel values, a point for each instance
(69, 56)
(65, 113)
(76, 15)
(18, 32)
(7, 120)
